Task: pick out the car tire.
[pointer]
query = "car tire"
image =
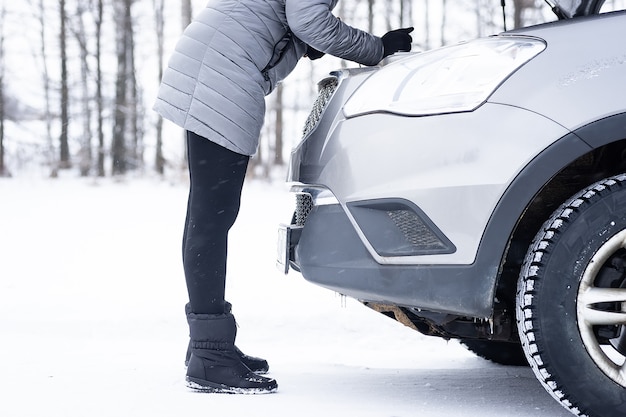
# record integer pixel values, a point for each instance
(571, 298)
(502, 353)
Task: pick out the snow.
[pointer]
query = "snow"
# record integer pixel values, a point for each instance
(92, 322)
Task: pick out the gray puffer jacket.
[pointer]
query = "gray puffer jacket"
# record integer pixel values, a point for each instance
(236, 51)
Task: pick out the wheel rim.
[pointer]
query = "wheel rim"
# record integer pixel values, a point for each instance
(590, 314)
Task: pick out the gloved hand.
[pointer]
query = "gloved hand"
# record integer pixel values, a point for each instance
(397, 40)
(313, 53)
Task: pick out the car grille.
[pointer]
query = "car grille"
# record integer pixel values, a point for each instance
(326, 88)
(304, 204)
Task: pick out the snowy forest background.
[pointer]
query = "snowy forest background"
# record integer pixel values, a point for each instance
(78, 78)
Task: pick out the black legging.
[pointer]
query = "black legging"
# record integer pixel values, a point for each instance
(216, 179)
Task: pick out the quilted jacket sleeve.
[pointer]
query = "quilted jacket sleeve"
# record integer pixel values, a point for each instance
(313, 23)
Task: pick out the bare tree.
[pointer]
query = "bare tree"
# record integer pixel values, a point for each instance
(159, 24)
(125, 89)
(135, 105)
(186, 13)
(99, 16)
(64, 150)
(427, 24)
(406, 12)
(520, 7)
(444, 15)
(278, 126)
(42, 56)
(85, 157)
(118, 147)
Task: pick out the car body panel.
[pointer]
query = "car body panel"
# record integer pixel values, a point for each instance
(575, 69)
(457, 191)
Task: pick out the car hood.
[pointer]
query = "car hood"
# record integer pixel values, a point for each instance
(566, 9)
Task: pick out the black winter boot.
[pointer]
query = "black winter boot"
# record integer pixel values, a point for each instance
(256, 365)
(214, 365)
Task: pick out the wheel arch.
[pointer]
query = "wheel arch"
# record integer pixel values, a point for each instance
(578, 159)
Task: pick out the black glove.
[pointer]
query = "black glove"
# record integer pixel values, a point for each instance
(313, 53)
(397, 40)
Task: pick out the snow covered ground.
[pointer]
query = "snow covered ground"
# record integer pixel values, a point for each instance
(92, 323)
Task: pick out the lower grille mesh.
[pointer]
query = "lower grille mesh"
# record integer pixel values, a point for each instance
(304, 204)
(415, 231)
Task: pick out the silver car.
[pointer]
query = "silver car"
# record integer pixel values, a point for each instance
(478, 192)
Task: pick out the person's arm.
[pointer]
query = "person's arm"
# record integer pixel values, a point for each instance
(312, 22)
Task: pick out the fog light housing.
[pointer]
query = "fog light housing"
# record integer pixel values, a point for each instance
(399, 228)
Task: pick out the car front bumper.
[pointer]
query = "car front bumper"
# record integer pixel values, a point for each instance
(450, 170)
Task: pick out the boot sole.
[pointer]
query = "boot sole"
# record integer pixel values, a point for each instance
(212, 387)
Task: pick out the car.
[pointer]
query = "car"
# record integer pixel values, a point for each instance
(478, 192)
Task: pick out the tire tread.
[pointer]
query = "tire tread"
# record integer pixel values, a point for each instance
(527, 283)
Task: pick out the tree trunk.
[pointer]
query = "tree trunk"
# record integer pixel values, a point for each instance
(278, 127)
(120, 120)
(43, 51)
(85, 161)
(426, 24)
(479, 22)
(159, 161)
(406, 13)
(99, 99)
(444, 22)
(186, 13)
(64, 150)
(135, 105)
(518, 13)
(370, 15)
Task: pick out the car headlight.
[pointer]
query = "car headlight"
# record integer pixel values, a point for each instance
(451, 79)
